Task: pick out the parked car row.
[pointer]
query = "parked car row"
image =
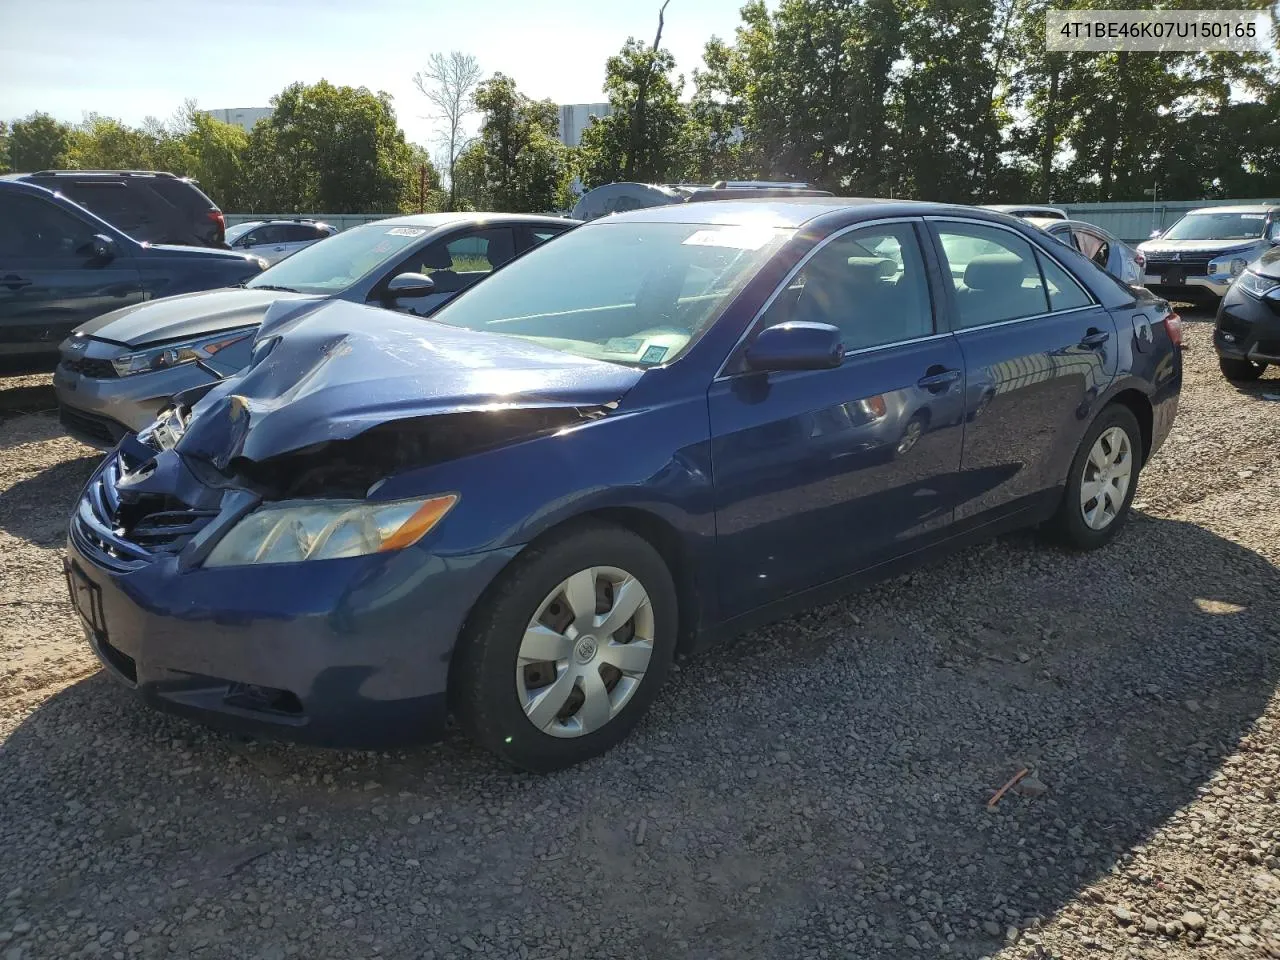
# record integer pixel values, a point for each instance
(374, 502)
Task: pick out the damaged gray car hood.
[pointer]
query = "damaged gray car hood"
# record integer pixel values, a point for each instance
(338, 369)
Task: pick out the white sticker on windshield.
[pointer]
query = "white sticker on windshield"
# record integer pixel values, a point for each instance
(734, 238)
(1253, 216)
(405, 232)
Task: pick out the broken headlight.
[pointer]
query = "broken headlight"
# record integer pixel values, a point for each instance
(327, 529)
(175, 354)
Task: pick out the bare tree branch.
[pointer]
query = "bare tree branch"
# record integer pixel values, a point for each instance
(448, 82)
(642, 93)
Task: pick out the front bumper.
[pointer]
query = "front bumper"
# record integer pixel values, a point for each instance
(1192, 288)
(352, 652)
(100, 410)
(1247, 329)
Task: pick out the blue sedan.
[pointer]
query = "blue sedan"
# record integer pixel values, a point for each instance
(660, 428)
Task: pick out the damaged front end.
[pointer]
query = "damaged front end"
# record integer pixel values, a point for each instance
(327, 414)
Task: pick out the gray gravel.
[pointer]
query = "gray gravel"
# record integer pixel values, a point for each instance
(817, 789)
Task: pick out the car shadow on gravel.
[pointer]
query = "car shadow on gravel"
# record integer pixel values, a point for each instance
(36, 508)
(824, 782)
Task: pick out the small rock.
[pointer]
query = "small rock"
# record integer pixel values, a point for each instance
(991, 928)
(1123, 916)
(1192, 920)
(1149, 925)
(1031, 787)
(470, 944)
(132, 937)
(22, 926)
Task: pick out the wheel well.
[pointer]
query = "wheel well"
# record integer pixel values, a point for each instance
(1140, 407)
(663, 537)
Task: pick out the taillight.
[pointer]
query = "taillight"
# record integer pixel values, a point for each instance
(1173, 327)
(221, 221)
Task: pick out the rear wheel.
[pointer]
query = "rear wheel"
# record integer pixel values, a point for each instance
(568, 648)
(1102, 481)
(1241, 371)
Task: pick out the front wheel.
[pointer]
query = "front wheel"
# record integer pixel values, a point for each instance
(567, 650)
(1102, 481)
(1240, 371)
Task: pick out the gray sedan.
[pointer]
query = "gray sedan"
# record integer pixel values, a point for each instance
(1111, 254)
(117, 371)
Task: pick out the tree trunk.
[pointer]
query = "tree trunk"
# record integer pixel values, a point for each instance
(1049, 141)
(638, 113)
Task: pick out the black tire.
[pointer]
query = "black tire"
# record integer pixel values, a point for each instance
(1068, 526)
(1240, 371)
(483, 687)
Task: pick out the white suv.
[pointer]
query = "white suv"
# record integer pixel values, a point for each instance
(273, 240)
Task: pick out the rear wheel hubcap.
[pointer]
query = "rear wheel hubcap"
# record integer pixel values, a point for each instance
(1107, 475)
(585, 652)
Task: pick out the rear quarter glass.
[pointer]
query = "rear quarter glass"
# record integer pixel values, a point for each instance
(183, 193)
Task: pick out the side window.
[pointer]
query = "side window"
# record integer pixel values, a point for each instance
(869, 283)
(31, 227)
(463, 260)
(298, 232)
(1093, 246)
(995, 274)
(1064, 292)
(537, 236)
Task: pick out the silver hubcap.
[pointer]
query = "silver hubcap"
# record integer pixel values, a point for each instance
(915, 429)
(585, 652)
(1107, 474)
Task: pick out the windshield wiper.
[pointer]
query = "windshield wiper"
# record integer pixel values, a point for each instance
(267, 286)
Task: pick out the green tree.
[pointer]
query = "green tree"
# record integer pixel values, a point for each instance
(642, 138)
(517, 164)
(38, 142)
(4, 147)
(219, 153)
(328, 149)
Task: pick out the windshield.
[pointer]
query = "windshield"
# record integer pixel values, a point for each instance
(630, 293)
(239, 230)
(1217, 226)
(331, 265)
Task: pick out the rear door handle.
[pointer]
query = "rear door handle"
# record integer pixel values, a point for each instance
(15, 282)
(1094, 338)
(938, 379)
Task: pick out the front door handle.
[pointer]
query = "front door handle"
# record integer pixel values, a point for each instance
(14, 282)
(937, 379)
(1094, 338)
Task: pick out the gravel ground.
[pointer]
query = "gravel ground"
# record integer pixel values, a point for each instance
(816, 789)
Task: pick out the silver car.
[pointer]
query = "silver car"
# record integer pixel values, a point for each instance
(117, 371)
(1107, 251)
(1201, 255)
(273, 240)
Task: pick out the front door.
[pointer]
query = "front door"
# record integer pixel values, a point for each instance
(1038, 351)
(50, 282)
(822, 473)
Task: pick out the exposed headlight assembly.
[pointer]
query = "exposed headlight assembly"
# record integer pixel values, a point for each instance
(327, 529)
(1234, 266)
(176, 354)
(1259, 286)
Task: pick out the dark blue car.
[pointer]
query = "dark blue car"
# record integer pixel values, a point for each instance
(662, 427)
(61, 266)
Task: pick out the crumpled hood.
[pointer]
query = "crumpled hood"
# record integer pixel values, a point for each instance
(1216, 247)
(1268, 264)
(186, 315)
(340, 369)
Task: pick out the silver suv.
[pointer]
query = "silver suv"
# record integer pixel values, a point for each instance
(1202, 254)
(273, 240)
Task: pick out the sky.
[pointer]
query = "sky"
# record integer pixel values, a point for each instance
(131, 59)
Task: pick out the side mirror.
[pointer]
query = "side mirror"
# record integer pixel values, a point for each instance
(1156, 234)
(408, 285)
(1273, 232)
(103, 247)
(797, 345)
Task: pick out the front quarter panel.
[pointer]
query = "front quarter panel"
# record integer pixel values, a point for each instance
(655, 460)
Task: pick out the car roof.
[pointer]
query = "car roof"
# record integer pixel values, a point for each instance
(1044, 223)
(1239, 208)
(433, 220)
(784, 212)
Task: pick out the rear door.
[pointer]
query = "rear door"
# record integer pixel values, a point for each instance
(821, 473)
(1038, 352)
(50, 282)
